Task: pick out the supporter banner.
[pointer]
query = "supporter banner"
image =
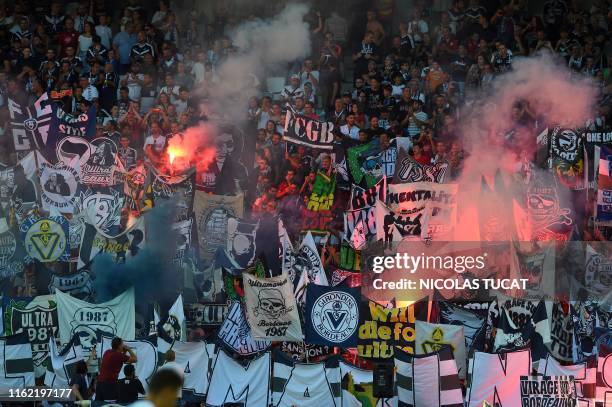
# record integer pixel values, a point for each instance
(195, 359)
(121, 246)
(315, 220)
(78, 285)
(244, 385)
(535, 263)
(548, 391)
(584, 317)
(431, 338)
(115, 317)
(175, 326)
(366, 198)
(59, 186)
(180, 187)
(496, 378)
(357, 388)
(428, 380)
(597, 269)
(436, 203)
(603, 389)
(510, 336)
(351, 279)
(382, 329)
(101, 207)
(146, 352)
(29, 124)
(309, 132)
(584, 375)
(350, 259)
(19, 187)
(322, 197)
(184, 231)
(16, 364)
(62, 363)
(603, 204)
(64, 125)
(271, 308)
(474, 325)
(236, 334)
(567, 154)
(241, 241)
(408, 170)
(45, 239)
(318, 383)
(134, 187)
(368, 163)
(332, 315)
(305, 267)
(392, 227)
(206, 315)
(305, 352)
(361, 221)
(37, 318)
(12, 253)
(211, 214)
(98, 159)
(561, 334)
(543, 218)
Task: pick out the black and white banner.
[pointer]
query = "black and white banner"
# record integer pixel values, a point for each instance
(236, 334)
(309, 132)
(271, 308)
(548, 391)
(408, 170)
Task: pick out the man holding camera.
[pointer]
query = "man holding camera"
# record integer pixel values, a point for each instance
(112, 362)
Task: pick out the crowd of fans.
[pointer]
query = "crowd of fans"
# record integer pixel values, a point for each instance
(147, 68)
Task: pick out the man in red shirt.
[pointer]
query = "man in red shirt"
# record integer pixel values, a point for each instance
(68, 38)
(112, 361)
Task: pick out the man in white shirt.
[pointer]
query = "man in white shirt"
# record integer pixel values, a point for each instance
(349, 129)
(104, 31)
(89, 91)
(170, 89)
(293, 90)
(155, 144)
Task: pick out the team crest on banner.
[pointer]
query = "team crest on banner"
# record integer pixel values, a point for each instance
(408, 170)
(46, 239)
(332, 315)
(236, 334)
(59, 186)
(241, 241)
(271, 308)
(101, 207)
